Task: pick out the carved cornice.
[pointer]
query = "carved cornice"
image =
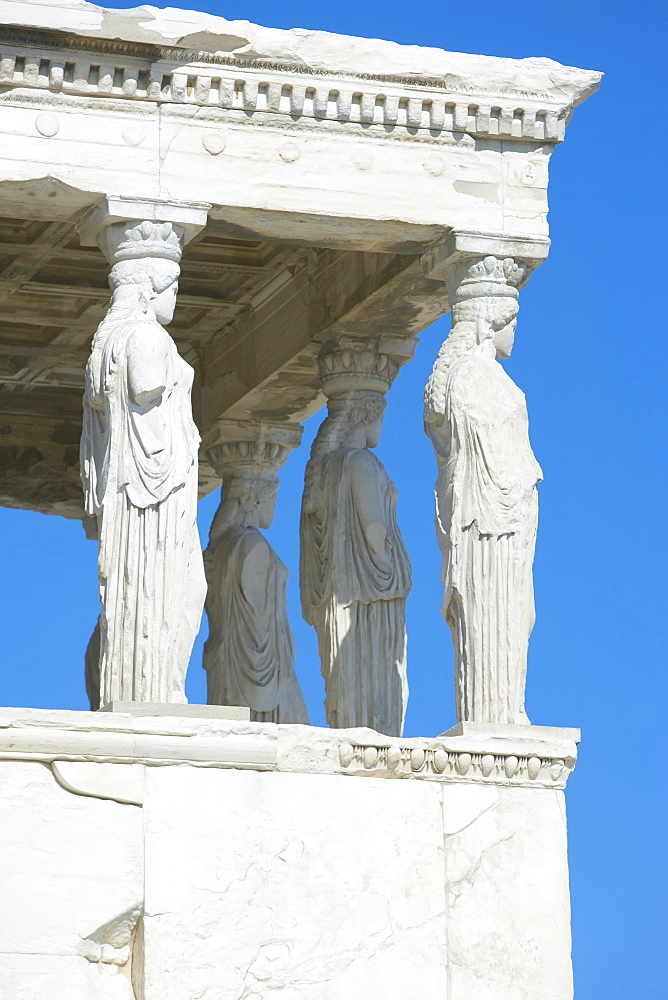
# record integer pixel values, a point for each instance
(383, 106)
(64, 41)
(436, 762)
(539, 758)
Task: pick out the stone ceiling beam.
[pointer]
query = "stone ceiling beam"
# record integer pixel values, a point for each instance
(262, 365)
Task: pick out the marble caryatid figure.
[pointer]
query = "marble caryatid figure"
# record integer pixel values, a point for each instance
(355, 572)
(486, 496)
(139, 469)
(249, 654)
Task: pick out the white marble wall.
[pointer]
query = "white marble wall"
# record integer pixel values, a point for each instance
(288, 872)
(68, 864)
(305, 885)
(506, 875)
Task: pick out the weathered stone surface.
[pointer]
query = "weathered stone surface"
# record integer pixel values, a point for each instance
(151, 855)
(145, 709)
(340, 907)
(486, 497)
(480, 756)
(69, 864)
(507, 887)
(330, 164)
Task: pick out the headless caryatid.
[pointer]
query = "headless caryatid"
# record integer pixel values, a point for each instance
(355, 571)
(486, 496)
(139, 469)
(249, 654)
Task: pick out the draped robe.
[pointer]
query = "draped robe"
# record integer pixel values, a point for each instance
(249, 654)
(486, 519)
(356, 598)
(139, 470)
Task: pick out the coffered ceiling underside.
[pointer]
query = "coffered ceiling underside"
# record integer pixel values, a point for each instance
(250, 316)
(53, 294)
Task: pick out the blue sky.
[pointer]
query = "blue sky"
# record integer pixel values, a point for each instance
(590, 355)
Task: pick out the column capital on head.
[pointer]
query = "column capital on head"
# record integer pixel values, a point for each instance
(186, 218)
(460, 246)
(233, 444)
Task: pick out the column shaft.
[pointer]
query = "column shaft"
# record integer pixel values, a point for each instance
(249, 654)
(355, 571)
(486, 497)
(139, 469)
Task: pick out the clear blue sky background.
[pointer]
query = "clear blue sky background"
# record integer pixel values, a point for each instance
(591, 356)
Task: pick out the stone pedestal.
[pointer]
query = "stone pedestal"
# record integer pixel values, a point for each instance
(160, 857)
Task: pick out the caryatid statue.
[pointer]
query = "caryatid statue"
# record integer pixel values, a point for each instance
(139, 470)
(355, 573)
(486, 496)
(249, 654)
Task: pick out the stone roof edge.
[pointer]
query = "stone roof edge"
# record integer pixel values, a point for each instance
(199, 37)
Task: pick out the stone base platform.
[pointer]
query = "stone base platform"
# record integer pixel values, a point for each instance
(171, 858)
(144, 709)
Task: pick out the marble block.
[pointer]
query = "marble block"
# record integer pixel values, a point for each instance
(301, 885)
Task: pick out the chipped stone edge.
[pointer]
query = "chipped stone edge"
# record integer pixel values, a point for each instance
(531, 760)
(189, 32)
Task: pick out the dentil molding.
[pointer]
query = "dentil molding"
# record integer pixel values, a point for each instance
(380, 105)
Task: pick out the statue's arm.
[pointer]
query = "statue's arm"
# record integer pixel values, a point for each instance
(94, 391)
(148, 362)
(368, 489)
